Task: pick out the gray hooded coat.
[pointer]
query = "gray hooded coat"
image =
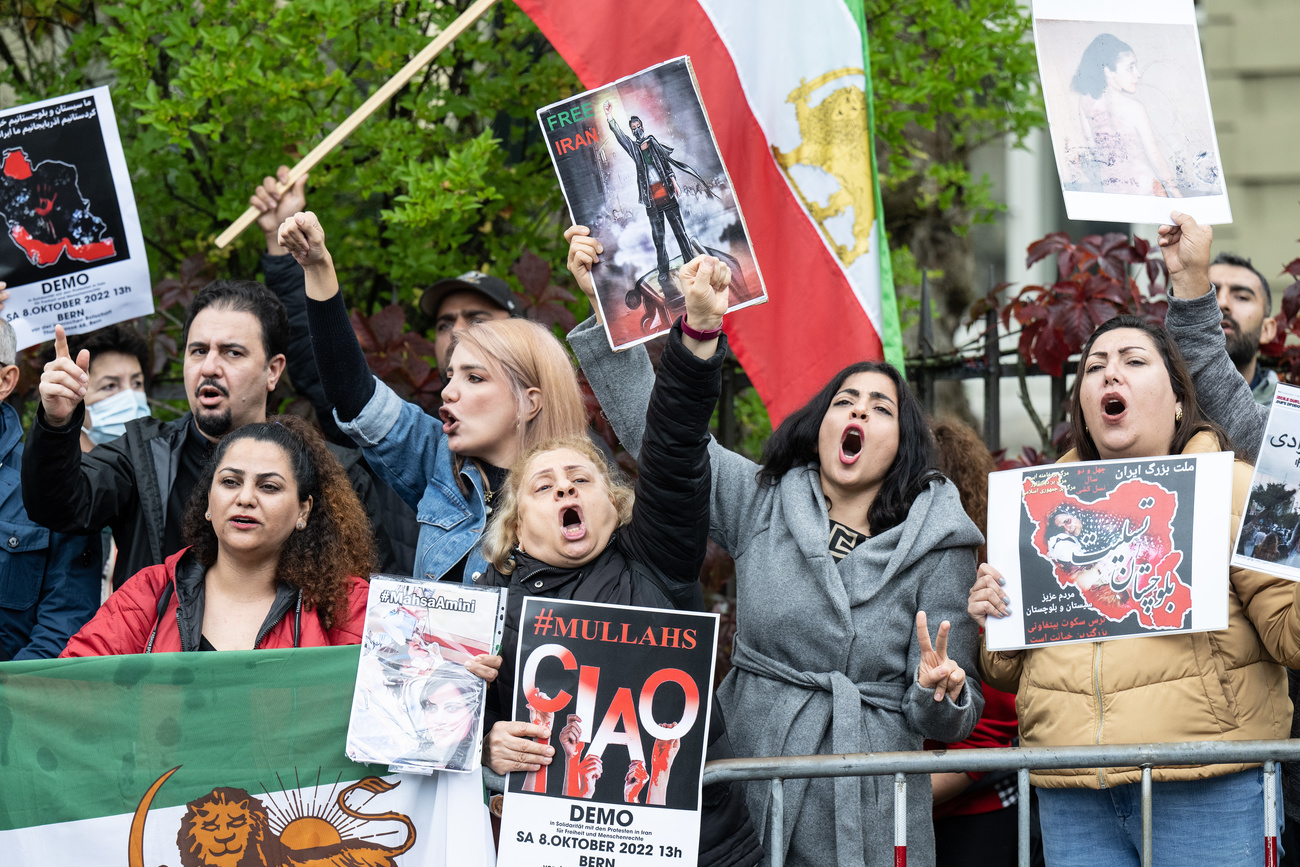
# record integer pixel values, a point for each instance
(825, 656)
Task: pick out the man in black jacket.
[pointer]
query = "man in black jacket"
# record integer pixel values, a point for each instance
(234, 343)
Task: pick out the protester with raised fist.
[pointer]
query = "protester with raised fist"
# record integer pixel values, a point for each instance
(233, 344)
(279, 547)
(567, 528)
(1134, 398)
(49, 582)
(511, 386)
(845, 525)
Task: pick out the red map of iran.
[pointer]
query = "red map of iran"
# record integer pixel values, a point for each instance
(46, 213)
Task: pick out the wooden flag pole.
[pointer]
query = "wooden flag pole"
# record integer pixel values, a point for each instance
(354, 120)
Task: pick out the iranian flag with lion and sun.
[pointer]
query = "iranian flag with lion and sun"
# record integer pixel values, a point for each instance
(228, 759)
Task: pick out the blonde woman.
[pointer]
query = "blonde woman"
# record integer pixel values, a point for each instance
(510, 386)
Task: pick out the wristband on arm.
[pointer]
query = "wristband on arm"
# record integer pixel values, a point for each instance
(702, 336)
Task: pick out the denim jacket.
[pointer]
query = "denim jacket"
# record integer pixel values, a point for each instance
(49, 582)
(408, 449)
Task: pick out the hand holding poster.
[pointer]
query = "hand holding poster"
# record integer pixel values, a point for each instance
(1269, 537)
(416, 708)
(1129, 110)
(625, 692)
(1111, 549)
(638, 163)
(74, 255)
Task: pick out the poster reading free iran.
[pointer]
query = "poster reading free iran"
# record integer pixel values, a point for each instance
(1111, 549)
(625, 692)
(72, 254)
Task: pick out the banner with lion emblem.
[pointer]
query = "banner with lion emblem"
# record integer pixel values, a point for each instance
(213, 760)
(1111, 549)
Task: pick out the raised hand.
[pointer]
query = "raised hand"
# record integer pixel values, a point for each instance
(705, 280)
(63, 382)
(584, 252)
(543, 718)
(987, 596)
(589, 771)
(517, 746)
(303, 236)
(937, 671)
(571, 736)
(661, 765)
(276, 207)
(634, 781)
(1186, 248)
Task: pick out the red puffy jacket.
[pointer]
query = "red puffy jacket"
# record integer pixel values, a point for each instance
(126, 621)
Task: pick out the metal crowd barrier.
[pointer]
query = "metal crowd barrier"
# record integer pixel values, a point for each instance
(1022, 760)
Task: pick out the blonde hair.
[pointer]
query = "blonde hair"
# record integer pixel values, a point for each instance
(502, 535)
(531, 357)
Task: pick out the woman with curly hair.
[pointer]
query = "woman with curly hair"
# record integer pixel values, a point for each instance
(277, 540)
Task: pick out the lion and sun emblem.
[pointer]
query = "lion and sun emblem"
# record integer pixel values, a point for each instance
(834, 139)
(228, 827)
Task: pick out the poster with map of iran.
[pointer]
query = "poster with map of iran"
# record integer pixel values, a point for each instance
(1111, 549)
(72, 252)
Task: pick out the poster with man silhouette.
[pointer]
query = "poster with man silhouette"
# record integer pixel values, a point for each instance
(73, 254)
(1111, 549)
(1269, 537)
(625, 693)
(639, 167)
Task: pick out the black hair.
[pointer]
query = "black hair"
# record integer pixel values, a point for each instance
(1243, 262)
(1101, 54)
(634, 119)
(794, 444)
(1193, 420)
(247, 296)
(120, 338)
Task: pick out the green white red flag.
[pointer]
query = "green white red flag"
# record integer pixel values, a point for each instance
(788, 91)
(230, 759)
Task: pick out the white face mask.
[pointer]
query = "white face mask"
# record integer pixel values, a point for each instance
(108, 417)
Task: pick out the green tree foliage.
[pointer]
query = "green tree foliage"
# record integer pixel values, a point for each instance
(211, 95)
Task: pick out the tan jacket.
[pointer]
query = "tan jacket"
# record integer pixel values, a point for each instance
(1215, 686)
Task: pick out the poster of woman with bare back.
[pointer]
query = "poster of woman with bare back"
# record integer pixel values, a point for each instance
(639, 166)
(1129, 110)
(1111, 549)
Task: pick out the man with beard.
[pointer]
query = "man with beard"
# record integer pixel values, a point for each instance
(1246, 303)
(234, 342)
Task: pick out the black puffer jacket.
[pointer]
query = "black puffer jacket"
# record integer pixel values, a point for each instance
(654, 561)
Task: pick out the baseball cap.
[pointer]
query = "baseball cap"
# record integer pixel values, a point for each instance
(493, 288)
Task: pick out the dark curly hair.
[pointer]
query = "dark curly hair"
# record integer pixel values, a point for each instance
(794, 444)
(336, 542)
(965, 460)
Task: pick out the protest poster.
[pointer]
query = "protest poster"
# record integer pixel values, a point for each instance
(1269, 535)
(1111, 549)
(203, 759)
(626, 693)
(1129, 110)
(639, 166)
(74, 255)
(416, 708)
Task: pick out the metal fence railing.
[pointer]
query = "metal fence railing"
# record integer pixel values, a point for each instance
(902, 764)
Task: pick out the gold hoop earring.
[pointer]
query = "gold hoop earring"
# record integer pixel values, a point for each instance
(1178, 415)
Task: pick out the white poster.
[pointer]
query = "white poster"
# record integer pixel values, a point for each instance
(1111, 549)
(1129, 110)
(627, 694)
(74, 255)
(1269, 535)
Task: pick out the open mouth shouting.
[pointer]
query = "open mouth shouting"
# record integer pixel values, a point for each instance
(571, 525)
(1113, 408)
(449, 420)
(244, 522)
(851, 444)
(210, 394)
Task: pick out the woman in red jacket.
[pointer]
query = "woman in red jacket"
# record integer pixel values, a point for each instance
(277, 539)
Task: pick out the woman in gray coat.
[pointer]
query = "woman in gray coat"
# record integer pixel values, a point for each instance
(845, 539)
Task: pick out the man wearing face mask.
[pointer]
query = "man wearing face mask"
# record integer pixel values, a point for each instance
(115, 394)
(49, 582)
